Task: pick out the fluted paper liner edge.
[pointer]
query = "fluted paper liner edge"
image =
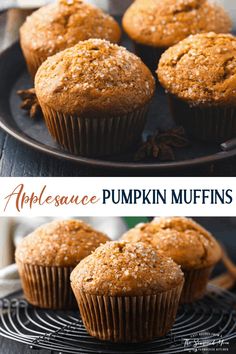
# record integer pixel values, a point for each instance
(47, 287)
(126, 318)
(96, 136)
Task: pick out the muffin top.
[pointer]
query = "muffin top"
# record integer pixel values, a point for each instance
(121, 268)
(63, 24)
(94, 78)
(59, 243)
(163, 23)
(201, 69)
(182, 239)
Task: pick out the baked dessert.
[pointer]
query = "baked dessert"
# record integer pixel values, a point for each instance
(95, 97)
(200, 75)
(61, 25)
(127, 292)
(156, 25)
(46, 257)
(188, 244)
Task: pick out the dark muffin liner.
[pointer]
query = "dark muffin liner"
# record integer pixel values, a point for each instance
(213, 124)
(47, 287)
(96, 136)
(128, 319)
(195, 284)
(33, 61)
(149, 55)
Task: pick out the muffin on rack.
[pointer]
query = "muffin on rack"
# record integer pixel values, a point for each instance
(127, 292)
(188, 244)
(61, 25)
(156, 25)
(199, 74)
(46, 257)
(94, 97)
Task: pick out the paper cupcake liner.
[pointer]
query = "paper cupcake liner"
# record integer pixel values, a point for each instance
(216, 124)
(128, 319)
(47, 287)
(195, 284)
(93, 136)
(149, 55)
(33, 60)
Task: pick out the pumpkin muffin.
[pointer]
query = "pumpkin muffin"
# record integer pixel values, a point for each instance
(61, 25)
(127, 292)
(46, 257)
(200, 75)
(95, 97)
(188, 244)
(156, 25)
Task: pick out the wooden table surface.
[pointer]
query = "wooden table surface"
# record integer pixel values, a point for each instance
(10, 347)
(19, 160)
(16, 348)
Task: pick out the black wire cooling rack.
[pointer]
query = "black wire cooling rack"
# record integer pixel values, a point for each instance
(210, 322)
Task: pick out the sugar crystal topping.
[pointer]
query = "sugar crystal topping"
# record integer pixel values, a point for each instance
(164, 23)
(125, 268)
(63, 24)
(97, 63)
(182, 239)
(95, 73)
(201, 69)
(59, 243)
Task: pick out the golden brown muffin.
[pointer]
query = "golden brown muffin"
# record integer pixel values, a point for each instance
(123, 283)
(47, 256)
(163, 23)
(200, 74)
(182, 239)
(94, 97)
(187, 243)
(155, 25)
(61, 25)
(201, 69)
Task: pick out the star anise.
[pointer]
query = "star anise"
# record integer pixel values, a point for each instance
(161, 145)
(30, 102)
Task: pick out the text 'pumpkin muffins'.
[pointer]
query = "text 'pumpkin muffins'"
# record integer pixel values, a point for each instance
(188, 244)
(127, 292)
(200, 75)
(156, 25)
(61, 25)
(95, 97)
(46, 257)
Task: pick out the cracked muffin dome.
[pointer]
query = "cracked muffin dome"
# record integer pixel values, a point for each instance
(163, 23)
(121, 268)
(60, 243)
(61, 25)
(201, 70)
(182, 239)
(93, 79)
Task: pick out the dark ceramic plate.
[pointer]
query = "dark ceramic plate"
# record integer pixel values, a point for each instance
(13, 120)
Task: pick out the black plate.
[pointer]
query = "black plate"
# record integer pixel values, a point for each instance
(13, 120)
